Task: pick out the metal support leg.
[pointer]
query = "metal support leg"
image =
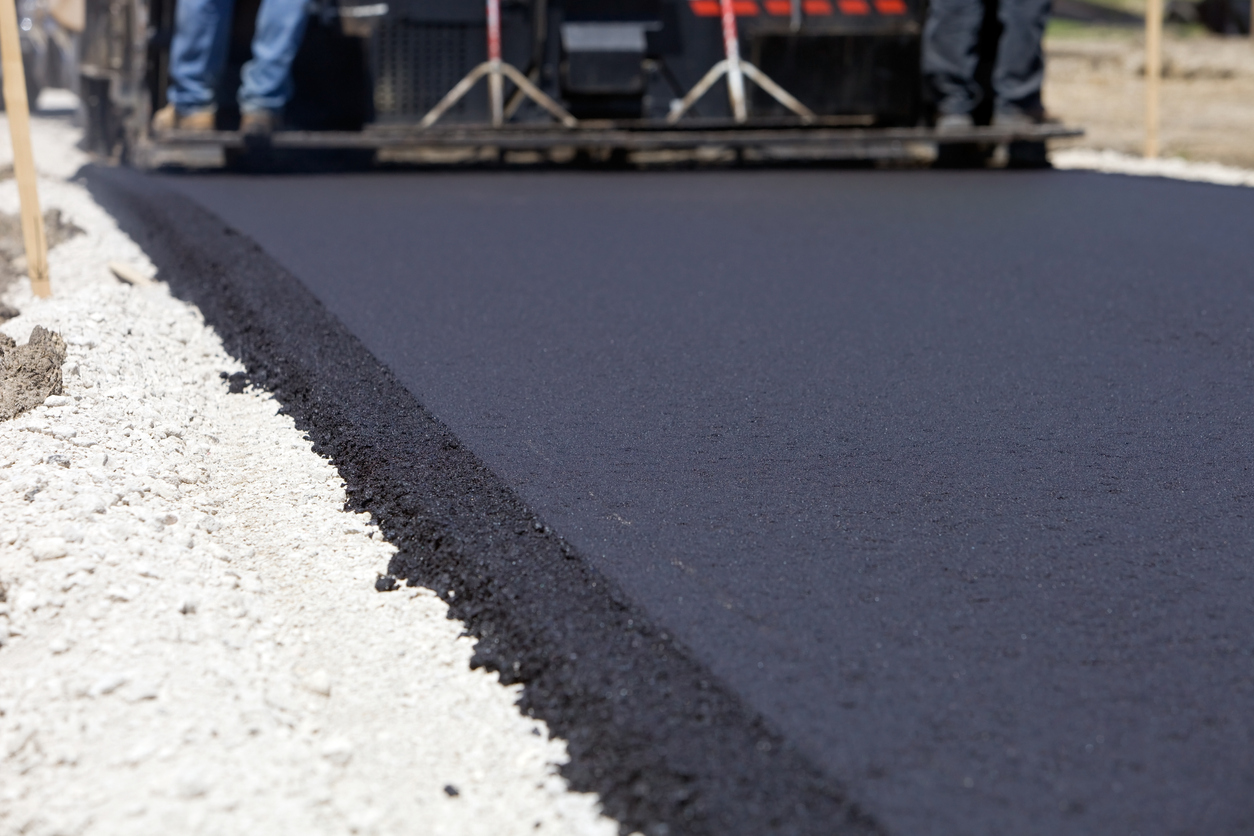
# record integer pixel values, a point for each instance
(453, 96)
(731, 46)
(736, 69)
(778, 93)
(496, 69)
(496, 93)
(698, 90)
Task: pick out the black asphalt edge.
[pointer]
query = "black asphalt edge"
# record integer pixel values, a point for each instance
(667, 746)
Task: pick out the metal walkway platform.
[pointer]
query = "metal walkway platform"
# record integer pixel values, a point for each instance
(831, 138)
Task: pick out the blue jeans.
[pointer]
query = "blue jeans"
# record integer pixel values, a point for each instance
(202, 32)
(950, 41)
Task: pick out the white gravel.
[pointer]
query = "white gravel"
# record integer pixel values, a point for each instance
(190, 640)
(1113, 162)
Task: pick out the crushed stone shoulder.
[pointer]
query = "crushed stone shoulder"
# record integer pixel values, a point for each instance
(190, 637)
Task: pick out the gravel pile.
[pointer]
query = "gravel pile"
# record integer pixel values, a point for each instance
(190, 639)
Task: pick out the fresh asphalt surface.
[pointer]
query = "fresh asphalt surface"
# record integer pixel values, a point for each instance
(948, 475)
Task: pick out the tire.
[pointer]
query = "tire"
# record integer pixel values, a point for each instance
(33, 89)
(102, 132)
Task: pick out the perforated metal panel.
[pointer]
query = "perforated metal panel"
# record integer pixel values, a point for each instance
(415, 63)
(840, 74)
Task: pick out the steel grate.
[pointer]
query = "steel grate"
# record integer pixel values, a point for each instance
(415, 64)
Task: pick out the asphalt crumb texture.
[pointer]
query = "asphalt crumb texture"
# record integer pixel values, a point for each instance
(665, 743)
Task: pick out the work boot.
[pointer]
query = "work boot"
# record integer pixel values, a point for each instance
(1017, 117)
(259, 122)
(168, 118)
(1024, 153)
(955, 123)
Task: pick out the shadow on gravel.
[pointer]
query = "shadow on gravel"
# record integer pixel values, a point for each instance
(669, 748)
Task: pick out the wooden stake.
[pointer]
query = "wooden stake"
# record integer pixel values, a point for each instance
(1153, 73)
(23, 157)
(130, 274)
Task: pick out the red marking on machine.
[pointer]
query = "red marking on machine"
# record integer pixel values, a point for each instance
(819, 8)
(890, 7)
(854, 7)
(731, 48)
(741, 8)
(494, 30)
(779, 8)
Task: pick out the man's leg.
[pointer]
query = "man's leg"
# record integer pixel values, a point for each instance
(1020, 68)
(950, 38)
(267, 78)
(202, 30)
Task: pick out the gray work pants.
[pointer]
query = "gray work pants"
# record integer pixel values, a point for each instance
(950, 42)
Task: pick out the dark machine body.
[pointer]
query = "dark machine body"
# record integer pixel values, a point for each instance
(628, 59)
(369, 71)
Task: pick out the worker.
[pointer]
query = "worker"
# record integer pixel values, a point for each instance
(202, 33)
(950, 53)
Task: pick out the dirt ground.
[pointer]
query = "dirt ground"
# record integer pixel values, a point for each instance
(1095, 79)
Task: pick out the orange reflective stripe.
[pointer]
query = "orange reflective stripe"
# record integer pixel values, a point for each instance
(783, 8)
(711, 8)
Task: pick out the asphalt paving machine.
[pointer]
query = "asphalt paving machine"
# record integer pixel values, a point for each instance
(758, 79)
